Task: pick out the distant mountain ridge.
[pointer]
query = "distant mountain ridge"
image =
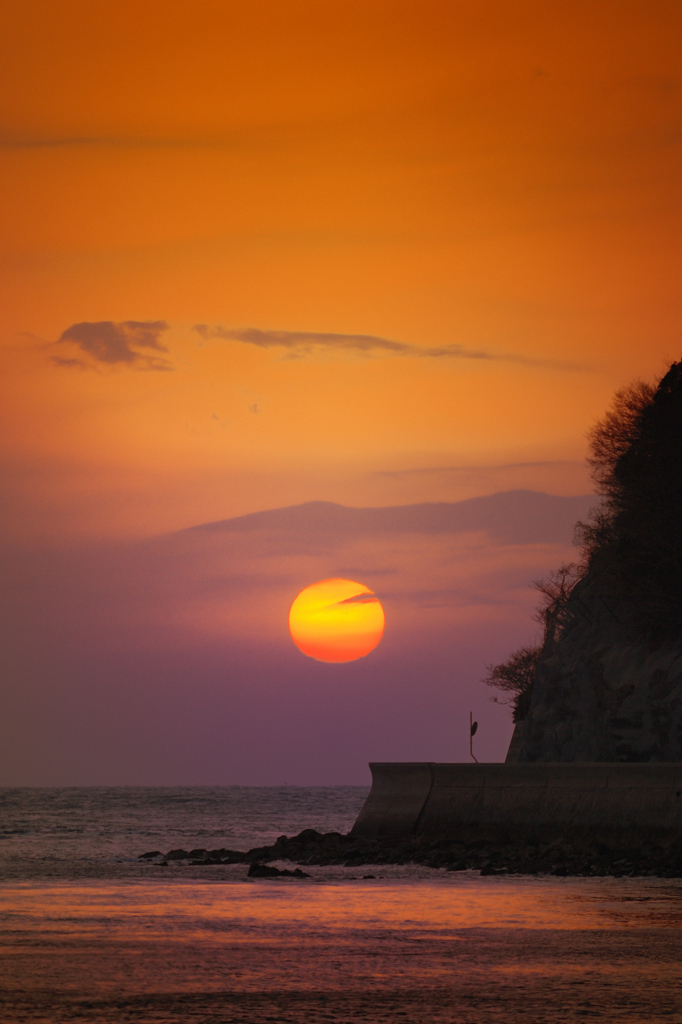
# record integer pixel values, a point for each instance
(514, 517)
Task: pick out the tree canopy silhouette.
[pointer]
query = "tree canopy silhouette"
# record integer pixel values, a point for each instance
(516, 675)
(632, 542)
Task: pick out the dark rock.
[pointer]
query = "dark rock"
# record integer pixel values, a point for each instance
(264, 853)
(507, 855)
(267, 871)
(148, 856)
(263, 871)
(197, 853)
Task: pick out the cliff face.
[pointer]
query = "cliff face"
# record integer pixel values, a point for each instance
(600, 697)
(609, 682)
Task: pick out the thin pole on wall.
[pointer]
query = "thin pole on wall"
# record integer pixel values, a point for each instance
(473, 726)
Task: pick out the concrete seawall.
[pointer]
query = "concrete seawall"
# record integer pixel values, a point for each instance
(630, 802)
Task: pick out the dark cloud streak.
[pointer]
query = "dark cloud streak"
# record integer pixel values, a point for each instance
(112, 344)
(303, 343)
(300, 340)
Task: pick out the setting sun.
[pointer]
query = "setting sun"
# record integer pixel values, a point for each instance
(336, 620)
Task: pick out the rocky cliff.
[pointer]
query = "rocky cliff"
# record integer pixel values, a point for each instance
(599, 695)
(608, 686)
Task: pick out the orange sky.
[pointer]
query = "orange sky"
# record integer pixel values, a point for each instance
(490, 188)
(257, 253)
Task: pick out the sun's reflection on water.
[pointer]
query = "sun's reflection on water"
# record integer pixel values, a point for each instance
(519, 940)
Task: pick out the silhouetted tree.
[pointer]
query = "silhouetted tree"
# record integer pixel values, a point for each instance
(609, 441)
(553, 613)
(516, 675)
(633, 540)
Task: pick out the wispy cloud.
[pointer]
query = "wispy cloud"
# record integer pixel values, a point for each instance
(137, 344)
(303, 343)
(360, 599)
(126, 343)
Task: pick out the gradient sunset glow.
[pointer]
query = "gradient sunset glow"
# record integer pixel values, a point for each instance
(336, 621)
(272, 274)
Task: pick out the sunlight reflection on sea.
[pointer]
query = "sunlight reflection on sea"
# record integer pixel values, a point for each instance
(456, 947)
(89, 935)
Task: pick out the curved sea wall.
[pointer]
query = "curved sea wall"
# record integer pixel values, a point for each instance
(536, 802)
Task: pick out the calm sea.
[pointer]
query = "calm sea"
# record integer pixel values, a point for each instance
(100, 832)
(90, 934)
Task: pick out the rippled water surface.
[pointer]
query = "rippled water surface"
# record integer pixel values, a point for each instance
(102, 831)
(88, 934)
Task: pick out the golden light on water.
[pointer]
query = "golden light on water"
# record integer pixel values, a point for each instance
(336, 620)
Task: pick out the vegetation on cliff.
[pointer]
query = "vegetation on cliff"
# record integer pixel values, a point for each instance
(632, 543)
(515, 677)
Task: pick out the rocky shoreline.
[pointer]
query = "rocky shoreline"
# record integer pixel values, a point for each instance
(559, 857)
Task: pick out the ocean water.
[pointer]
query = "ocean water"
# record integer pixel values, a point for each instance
(100, 832)
(88, 933)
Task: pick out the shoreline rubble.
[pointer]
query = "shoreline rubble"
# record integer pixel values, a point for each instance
(561, 857)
